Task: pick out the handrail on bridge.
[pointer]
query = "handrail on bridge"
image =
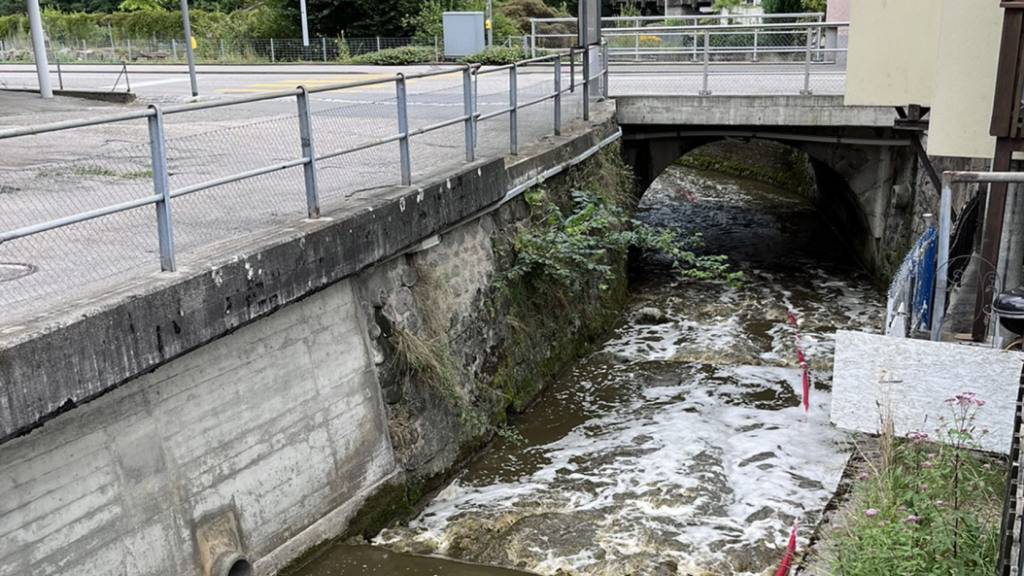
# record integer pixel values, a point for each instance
(470, 117)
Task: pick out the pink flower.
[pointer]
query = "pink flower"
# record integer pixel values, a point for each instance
(912, 520)
(918, 437)
(965, 400)
(871, 512)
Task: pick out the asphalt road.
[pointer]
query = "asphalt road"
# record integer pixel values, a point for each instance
(59, 174)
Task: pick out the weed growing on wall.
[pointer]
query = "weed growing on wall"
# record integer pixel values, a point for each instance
(926, 508)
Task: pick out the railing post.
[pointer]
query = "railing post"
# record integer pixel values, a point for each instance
(693, 57)
(309, 153)
(469, 111)
(513, 104)
(378, 43)
(558, 96)
(942, 257)
(403, 131)
(755, 44)
(162, 188)
(174, 48)
(586, 83)
(636, 47)
(704, 91)
(272, 59)
(604, 71)
(807, 65)
(533, 38)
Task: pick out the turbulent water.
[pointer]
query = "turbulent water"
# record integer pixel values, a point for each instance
(681, 446)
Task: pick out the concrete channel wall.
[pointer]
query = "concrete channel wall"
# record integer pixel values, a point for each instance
(232, 411)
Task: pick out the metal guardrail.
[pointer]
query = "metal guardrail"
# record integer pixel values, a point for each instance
(163, 195)
(949, 180)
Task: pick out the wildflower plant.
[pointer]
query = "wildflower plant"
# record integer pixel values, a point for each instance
(929, 507)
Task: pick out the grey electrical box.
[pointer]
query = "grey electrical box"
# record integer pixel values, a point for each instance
(463, 33)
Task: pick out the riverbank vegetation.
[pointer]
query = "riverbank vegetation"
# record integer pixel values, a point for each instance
(924, 508)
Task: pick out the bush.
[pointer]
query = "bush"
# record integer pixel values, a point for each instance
(926, 509)
(397, 56)
(496, 56)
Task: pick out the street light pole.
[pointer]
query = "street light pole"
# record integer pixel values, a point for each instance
(188, 48)
(35, 21)
(305, 24)
(490, 23)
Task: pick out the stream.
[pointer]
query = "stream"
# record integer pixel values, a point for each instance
(680, 447)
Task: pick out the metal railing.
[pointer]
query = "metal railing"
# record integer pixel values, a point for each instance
(551, 78)
(693, 59)
(949, 180)
(562, 32)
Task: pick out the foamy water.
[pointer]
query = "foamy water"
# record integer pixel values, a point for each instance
(680, 447)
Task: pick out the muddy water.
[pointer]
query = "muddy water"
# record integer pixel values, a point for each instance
(680, 447)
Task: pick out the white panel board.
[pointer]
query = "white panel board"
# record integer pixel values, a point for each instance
(892, 46)
(968, 55)
(463, 33)
(913, 379)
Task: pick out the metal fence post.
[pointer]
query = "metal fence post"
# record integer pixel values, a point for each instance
(378, 43)
(533, 38)
(60, 76)
(222, 53)
(323, 48)
(403, 131)
(807, 65)
(604, 71)
(586, 83)
(942, 257)
(309, 153)
(513, 113)
(162, 188)
(468, 110)
(636, 43)
(128, 43)
(272, 59)
(174, 48)
(704, 91)
(755, 44)
(693, 56)
(558, 96)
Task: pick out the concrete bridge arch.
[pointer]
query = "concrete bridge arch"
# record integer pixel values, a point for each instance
(865, 171)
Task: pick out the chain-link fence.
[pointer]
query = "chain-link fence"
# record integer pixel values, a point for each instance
(209, 50)
(88, 207)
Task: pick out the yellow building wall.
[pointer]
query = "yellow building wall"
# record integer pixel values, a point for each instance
(892, 53)
(964, 86)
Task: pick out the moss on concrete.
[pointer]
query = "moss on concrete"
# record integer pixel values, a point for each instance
(765, 162)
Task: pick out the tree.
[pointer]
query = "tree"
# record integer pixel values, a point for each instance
(782, 6)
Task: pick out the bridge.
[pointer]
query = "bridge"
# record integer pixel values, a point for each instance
(191, 342)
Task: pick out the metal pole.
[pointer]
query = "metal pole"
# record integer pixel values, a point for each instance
(942, 258)
(60, 76)
(605, 71)
(272, 58)
(558, 96)
(468, 112)
(755, 44)
(162, 188)
(704, 91)
(128, 43)
(490, 23)
(309, 153)
(189, 55)
(533, 38)
(807, 65)
(513, 114)
(693, 57)
(174, 48)
(222, 49)
(378, 43)
(305, 23)
(323, 49)
(586, 83)
(35, 22)
(636, 41)
(403, 131)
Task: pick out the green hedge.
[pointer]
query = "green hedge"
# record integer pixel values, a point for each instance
(397, 56)
(496, 56)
